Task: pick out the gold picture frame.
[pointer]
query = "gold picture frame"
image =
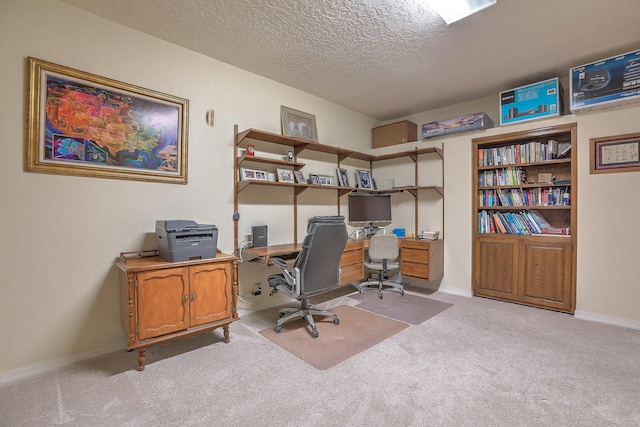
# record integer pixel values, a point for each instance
(83, 124)
(298, 124)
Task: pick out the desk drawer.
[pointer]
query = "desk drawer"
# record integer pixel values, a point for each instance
(352, 257)
(415, 270)
(352, 273)
(415, 255)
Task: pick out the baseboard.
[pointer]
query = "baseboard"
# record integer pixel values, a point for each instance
(454, 291)
(31, 371)
(609, 320)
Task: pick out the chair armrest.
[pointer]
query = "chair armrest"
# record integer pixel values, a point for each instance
(279, 262)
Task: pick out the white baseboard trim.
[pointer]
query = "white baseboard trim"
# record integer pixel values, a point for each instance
(454, 291)
(52, 365)
(609, 320)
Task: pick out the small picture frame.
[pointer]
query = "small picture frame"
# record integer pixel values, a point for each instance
(285, 175)
(298, 124)
(299, 177)
(364, 179)
(290, 156)
(343, 177)
(253, 174)
(251, 150)
(325, 180)
(314, 179)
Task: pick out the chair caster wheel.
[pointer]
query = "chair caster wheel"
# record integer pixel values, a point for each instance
(380, 295)
(402, 292)
(278, 329)
(336, 321)
(314, 333)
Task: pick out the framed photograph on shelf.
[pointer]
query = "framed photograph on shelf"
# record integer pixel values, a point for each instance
(83, 124)
(253, 174)
(285, 175)
(299, 177)
(314, 179)
(620, 153)
(364, 179)
(343, 177)
(298, 124)
(325, 180)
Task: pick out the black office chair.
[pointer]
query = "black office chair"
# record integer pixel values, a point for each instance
(315, 270)
(383, 255)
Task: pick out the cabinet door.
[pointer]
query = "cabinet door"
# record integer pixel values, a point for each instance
(210, 292)
(546, 274)
(495, 264)
(162, 302)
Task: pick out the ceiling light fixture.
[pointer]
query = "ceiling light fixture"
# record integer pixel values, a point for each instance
(454, 10)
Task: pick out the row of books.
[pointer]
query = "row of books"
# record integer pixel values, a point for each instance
(506, 176)
(528, 152)
(523, 222)
(539, 196)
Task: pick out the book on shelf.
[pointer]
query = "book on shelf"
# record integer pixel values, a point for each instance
(560, 231)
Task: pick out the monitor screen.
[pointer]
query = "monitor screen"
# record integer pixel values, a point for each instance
(369, 208)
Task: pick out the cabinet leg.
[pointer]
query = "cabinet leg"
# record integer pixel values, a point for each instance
(141, 358)
(225, 328)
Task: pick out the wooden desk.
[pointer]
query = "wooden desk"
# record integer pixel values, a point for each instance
(421, 260)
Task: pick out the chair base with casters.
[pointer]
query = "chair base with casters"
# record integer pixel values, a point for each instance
(305, 311)
(383, 285)
(315, 270)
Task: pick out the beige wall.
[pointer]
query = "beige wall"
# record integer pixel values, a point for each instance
(62, 234)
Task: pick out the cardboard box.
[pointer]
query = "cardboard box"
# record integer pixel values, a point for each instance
(531, 102)
(393, 134)
(469, 122)
(607, 83)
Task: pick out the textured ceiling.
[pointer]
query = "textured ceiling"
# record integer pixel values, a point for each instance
(388, 58)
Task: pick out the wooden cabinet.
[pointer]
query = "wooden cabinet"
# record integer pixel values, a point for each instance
(352, 262)
(422, 260)
(393, 134)
(163, 301)
(525, 188)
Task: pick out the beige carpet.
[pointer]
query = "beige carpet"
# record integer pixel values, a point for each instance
(406, 308)
(357, 331)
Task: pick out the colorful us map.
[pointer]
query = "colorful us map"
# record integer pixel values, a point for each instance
(97, 126)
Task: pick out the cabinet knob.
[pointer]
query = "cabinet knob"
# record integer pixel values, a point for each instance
(186, 297)
(193, 296)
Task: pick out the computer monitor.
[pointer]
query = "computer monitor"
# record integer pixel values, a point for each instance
(369, 209)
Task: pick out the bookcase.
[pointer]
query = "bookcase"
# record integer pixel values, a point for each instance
(525, 217)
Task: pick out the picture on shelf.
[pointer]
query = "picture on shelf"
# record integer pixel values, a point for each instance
(255, 174)
(364, 179)
(298, 124)
(343, 177)
(314, 179)
(299, 177)
(285, 175)
(325, 180)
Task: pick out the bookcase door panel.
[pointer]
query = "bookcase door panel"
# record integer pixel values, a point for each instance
(546, 274)
(497, 276)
